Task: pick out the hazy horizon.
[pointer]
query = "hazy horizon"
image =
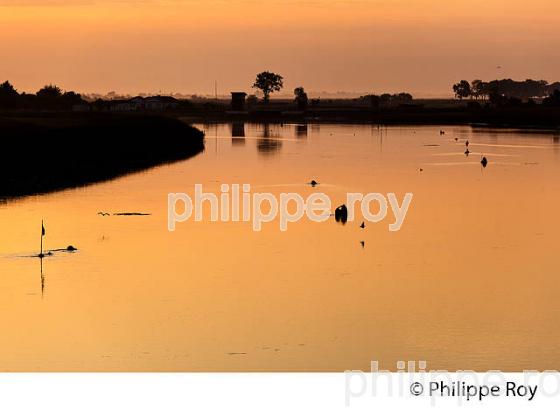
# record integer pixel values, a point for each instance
(355, 46)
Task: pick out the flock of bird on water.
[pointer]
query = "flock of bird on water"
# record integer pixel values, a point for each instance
(483, 159)
(341, 213)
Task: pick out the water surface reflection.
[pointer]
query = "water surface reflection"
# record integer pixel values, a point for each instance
(468, 283)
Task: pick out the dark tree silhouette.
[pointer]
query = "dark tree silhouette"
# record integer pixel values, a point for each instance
(462, 89)
(49, 91)
(301, 98)
(403, 98)
(48, 97)
(523, 90)
(385, 100)
(477, 89)
(8, 95)
(52, 97)
(371, 99)
(252, 100)
(519, 89)
(268, 82)
(71, 98)
(388, 100)
(7, 89)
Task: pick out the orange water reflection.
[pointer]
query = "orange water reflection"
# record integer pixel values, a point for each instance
(470, 282)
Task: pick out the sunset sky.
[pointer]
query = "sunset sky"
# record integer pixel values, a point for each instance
(133, 46)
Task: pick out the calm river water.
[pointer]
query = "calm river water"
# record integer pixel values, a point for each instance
(471, 281)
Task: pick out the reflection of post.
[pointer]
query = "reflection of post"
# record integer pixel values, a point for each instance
(380, 138)
(238, 132)
(212, 129)
(301, 131)
(42, 279)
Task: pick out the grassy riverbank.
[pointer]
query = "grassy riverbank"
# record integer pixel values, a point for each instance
(47, 152)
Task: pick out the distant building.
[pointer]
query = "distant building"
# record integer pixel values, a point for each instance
(238, 101)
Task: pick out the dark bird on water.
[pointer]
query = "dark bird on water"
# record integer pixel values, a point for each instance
(313, 182)
(421, 169)
(441, 132)
(484, 162)
(456, 139)
(70, 248)
(341, 214)
(363, 225)
(363, 244)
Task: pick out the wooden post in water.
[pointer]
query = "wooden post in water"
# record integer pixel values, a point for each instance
(42, 234)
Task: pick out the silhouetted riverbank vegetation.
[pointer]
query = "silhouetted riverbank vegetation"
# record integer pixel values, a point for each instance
(43, 153)
(508, 88)
(509, 103)
(508, 113)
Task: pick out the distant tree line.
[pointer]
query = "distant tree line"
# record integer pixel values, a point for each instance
(50, 97)
(508, 88)
(387, 100)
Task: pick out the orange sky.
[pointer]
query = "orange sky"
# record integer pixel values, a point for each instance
(133, 46)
